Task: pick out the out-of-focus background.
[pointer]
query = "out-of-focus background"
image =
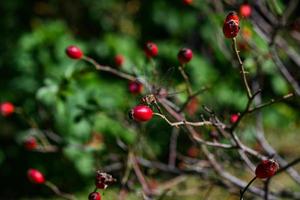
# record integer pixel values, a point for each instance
(84, 112)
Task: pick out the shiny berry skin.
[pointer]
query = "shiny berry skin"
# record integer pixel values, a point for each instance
(7, 109)
(94, 196)
(141, 113)
(74, 52)
(35, 176)
(234, 118)
(185, 55)
(30, 143)
(151, 49)
(232, 16)
(187, 2)
(135, 87)
(245, 10)
(266, 169)
(119, 60)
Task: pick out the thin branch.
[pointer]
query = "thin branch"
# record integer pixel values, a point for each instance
(245, 189)
(241, 67)
(56, 190)
(109, 69)
(186, 79)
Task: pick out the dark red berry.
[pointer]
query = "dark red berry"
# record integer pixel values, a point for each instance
(7, 109)
(231, 25)
(35, 176)
(151, 49)
(94, 196)
(245, 10)
(135, 87)
(234, 118)
(30, 143)
(141, 113)
(266, 169)
(74, 52)
(193, 152)
(187, 2)
(119, 60)
(185, 55)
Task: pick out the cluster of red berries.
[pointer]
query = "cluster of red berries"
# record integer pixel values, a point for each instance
(102, 181)
(7, 109)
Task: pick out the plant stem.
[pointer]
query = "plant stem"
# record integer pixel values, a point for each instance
(241, 67)
(245, 189)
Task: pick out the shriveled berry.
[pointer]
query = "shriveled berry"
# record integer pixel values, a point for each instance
(119, 60)
(266, 169)
(151, 49)
(30, 143)
(35, 176)
(231, 25)
(245, 10)
(187, 2)
(74, 52)
(234, 118)
(7, 109)
(135, 87)
(103, 180)
(185, 55)
(94, 196)
(141, 113)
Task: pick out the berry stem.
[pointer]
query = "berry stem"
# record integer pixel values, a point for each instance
(245, 189)
(241, 66)
(186, 79)
(56, 190)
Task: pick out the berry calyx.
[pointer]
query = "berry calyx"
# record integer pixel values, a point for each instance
(151, 49)
(141, 113)
(187, 2)
(266, 169)
(7, 109)
(245, 10)
(94, 196)
(35, 176)
(234, 118)
(135, 87)
(231, 25)
(185, 55)
(119, 60)
(30, 143)
(103, 180)
(74, 52)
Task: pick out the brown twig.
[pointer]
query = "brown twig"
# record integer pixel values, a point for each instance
(186, 79)
(56, 190)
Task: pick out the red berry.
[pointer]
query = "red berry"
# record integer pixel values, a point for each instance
(266, 169)
(187, 2)
(30, 143)
(231, 25)
(35, 176)
(94, 196)
(151, 49)
(135, 87)
(185, 55)
(7, 109)
(119, 60)
(234, 118)
(74, 52)
(141, 113)
(245, 10)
